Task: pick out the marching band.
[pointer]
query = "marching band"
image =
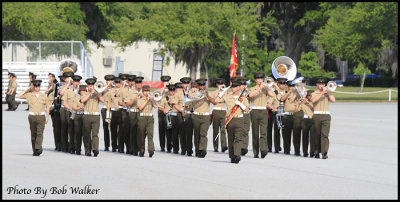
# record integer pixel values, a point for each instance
(183, 110)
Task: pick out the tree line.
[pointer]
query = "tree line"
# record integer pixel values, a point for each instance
(316, 35)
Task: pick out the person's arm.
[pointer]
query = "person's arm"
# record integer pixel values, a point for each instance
(297, 106)
(331, 97)
(212, 100)
(284, 97)
(67, 84)
(23, 92)
(254, 93)
(86, 97)
(144, 104)
(47, 113)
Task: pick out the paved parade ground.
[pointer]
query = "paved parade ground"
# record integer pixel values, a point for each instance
(362, 164)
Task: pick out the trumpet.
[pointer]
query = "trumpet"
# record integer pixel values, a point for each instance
(157, 96)
(269, 82)
(331, 86)
(223, 90)
(99, 86)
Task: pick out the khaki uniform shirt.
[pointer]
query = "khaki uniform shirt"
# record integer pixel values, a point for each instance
(107, 96)
(92, 104)
(114, 100)
(69, 94)
(201, 106)
(230, 100)
(37, 104)
(12, 85)
(51, 86)
(322, 104)
(130, 96)
(214, 94)
(290, 106)
(77, 103)
(260, 99)
(164, 104)
(178, 99)
(306, 108)
(148, 108)
(123, 93)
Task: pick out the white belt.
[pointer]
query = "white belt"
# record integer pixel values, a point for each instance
(121, 107)
(92, 113)
(188, 112)
(172, 114)
(219, 108)
(254, 107)
(79, 112)
(33, 113)
(321, 112)
(62, 106)
(104, 107)
(113, 109)
(198, 113)
(246, 112)
(146, 114)
(133, 110)
(288, 113)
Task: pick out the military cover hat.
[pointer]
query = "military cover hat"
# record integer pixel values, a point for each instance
(117, 80)
(95, 79)
(68, 74)
(281, 80)
(82, 87)
(30, 73)
(194, 84)
(220, 81)
(321, 79)
(165, 78)
(109, 77)
(34, 76)
(236, 83)
(61, 77)
(123, 77)
(171, 87)
(36, 82)
(139, 79)
(259, 75)
(146, 88)
(52, 74)
(131, 77)
(289, 83)
(77, 78)
(201, 82)
(178, 85)
(90, 81)
(185, 80)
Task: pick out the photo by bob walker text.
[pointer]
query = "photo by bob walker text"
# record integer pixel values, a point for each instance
(43, 192)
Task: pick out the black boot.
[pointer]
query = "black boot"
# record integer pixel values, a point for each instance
(114, 150)
(95, 152)
(151, 154)
(325, 156)
(224, 149)
(317, 156)
(215, 150)
(312, 154)
(162, 149)
(141, 154)
(106, 149)
(263, 154)
(237, 159)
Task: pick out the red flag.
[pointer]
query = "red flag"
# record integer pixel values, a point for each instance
(233, 63)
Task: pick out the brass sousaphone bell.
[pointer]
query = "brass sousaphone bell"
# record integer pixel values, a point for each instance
(99, 86)
(284, 67)
(68, 66)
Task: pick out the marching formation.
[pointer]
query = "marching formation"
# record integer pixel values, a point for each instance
(280, 106)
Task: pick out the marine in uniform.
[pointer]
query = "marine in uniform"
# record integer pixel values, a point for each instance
(274, 103)
(133, 113)
(298, 117)
(178, 112)
(162, 127)
(146, 121)
(271, 115)
(91, 118)
(166, 107)
(307, 126)
(187, 118)
(258, 96)
(116, 136)
(123, 132)
(322, 118)
(39, 107)
(67, 94)
(219, 112)
(11, 91)
(235, 125)
(290, 104)
(201, 119)
(246, 115)
(109, 80)
(78, 108)
(30, 84)
(55, 114)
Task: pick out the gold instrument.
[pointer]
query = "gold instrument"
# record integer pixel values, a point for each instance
(99, 86)
(108, 114)
(331, 86)
(157, 95)
(284, 67)
(68, 66)
(269, 82)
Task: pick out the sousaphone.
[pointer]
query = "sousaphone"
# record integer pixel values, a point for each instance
(284, 67)
(68, 65)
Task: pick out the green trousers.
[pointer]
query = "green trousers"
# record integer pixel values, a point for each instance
(287, 132)
(116, 136)
(235, 134)
(188, 125)
(219, 126)
(125, 130)
(145, 129)
(67, 130)
(297, 124)
(10, 99)
(36, 124)
(105, 128)
(273, 128)
(246, 130)
(259, 129)
(56, 122)
(78, 127)
(322, 124)
(91, 126)
(178, 133)
(201, 123)
(308, 135)
(133, 130)
(162, 130)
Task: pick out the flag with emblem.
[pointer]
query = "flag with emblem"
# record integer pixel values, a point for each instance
(233, 63)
